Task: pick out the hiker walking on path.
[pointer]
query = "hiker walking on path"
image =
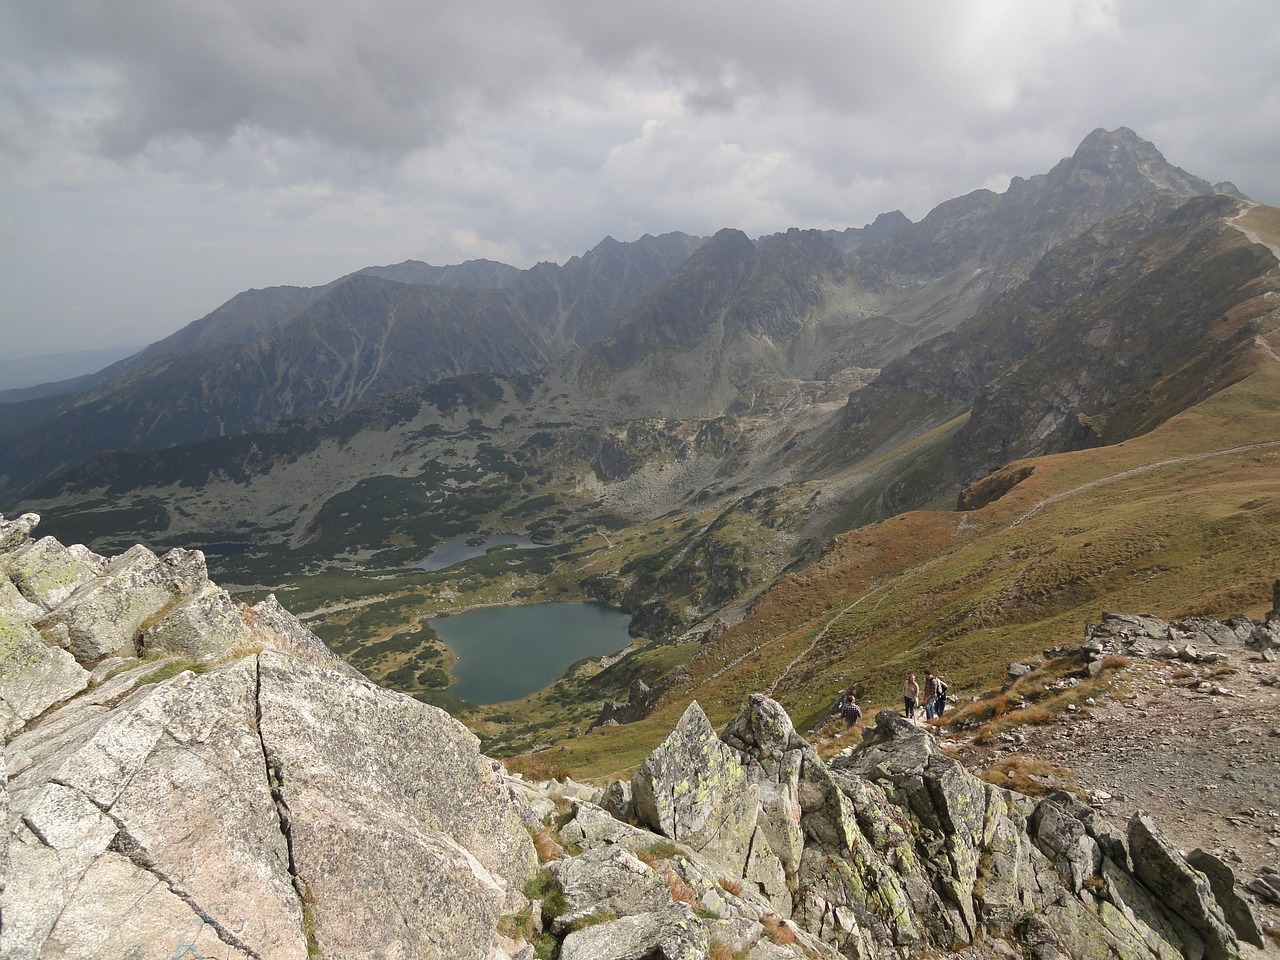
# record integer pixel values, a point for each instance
(930, 695)
(910, 694)
(850, 710)
(941, 704)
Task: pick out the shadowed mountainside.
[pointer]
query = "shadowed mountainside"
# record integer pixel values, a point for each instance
(291, 351)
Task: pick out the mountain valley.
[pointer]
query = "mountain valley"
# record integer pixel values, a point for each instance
(802, 463)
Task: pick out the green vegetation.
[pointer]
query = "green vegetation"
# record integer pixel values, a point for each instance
(383, 513)
(169, 668)
(542, 886)
(145, 515)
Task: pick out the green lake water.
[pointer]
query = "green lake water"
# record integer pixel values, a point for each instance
(505, 653)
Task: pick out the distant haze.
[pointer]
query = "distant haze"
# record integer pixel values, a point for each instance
(51, 367)
(156, 158)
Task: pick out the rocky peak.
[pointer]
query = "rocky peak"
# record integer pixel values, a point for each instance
(1108, 148)
(1121, 154)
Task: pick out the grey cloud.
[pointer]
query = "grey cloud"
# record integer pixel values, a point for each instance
(384, 76)
(293, 140)
(391, 76)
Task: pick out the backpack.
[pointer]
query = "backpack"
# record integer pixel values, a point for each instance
(942, 687)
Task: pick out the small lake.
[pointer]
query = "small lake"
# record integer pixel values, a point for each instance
(505, 653)
(455, 551)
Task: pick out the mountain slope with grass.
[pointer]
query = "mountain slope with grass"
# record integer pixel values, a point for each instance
(1125, 527)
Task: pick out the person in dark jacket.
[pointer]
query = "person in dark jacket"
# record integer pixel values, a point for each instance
(930, 695)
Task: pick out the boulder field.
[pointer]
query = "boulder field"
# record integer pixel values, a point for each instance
(190, 777)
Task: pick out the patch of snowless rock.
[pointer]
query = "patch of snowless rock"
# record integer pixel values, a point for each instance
(189, 777)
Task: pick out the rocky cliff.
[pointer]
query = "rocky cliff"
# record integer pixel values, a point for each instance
(189, 777)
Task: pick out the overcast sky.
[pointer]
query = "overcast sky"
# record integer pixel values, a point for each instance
(159, 156)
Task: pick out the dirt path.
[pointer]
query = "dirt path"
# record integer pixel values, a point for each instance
(1136, 471)
(1252, 235)
(818, 639)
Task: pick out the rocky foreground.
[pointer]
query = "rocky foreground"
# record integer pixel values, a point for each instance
(188, 777)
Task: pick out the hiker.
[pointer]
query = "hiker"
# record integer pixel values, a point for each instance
(910, 694)
(941, 704)
(827, 728)
(930, 694)
(850, 710)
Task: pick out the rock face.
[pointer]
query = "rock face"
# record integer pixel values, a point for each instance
(265, 802)
(692, 789)
(640, 702)
(891, 850)
(245, 794)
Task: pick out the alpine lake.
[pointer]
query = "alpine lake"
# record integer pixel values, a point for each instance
(508, 652)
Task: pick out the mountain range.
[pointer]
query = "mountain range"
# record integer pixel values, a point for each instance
(730, 316)
(692, 426)
(807, 463)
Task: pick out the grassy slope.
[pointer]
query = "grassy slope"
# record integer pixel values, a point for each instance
(1169, 523)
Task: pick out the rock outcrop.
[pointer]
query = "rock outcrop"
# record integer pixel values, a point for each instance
(891, 849)
(189, 777)
(640, 703)
(246, 795)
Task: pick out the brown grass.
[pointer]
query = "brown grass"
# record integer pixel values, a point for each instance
(656, 852)
(548, 845)
(239, 652)
(730, 885)
(1003, 711)
(1027, 775)
(719, 950)
(680, 889)
(604, 916)
(539, 767)
(983, 710)
(829, 747)
(776, 929)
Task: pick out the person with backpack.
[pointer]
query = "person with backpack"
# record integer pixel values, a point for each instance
(930, 694)
(850, 710)
(941, 704)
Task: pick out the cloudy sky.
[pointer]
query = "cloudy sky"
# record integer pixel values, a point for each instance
(159, 156)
